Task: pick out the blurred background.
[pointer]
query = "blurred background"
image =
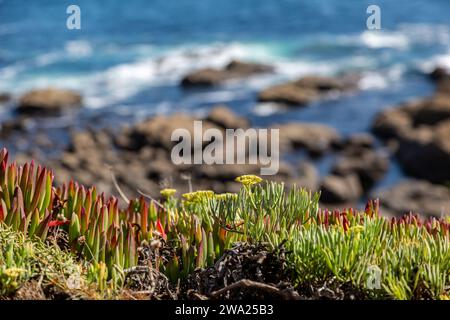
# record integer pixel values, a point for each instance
(137, 69)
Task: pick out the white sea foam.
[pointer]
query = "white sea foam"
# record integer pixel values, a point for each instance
(382, 39)
(372, 80)
(441, 60)
(381, 79)
(78, 48)
(125, 80)
(266, 109)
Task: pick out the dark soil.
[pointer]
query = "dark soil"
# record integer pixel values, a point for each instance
(246, 271)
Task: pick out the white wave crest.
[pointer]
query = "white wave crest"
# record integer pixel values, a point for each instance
(382, 39)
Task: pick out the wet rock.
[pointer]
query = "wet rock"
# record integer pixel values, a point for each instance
(4, 97)
(204, 78)
(391, 123)
(444, 86)
(421, 130)
(439, 74)
(82, 141)
(304, 90)
(308, 176)
(224, 117)
(241, 68)
(432, 111)
(48, 102)
(324, 84)
(316, 138)
(157, 131)
(289, 94)
(336, 189)
(212, 77)
(370, 166)
(415, 196)
(17, 124)
(425, 153)
(359, 141)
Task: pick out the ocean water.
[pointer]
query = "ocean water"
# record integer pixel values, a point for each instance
(129, 56)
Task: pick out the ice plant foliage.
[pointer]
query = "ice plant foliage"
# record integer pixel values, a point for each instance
(412, 254)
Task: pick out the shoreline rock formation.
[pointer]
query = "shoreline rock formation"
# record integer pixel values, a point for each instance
(209, 77)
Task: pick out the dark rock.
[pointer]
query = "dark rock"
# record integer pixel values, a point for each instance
(204, 78)
(308, 176)
(4, 97)
(439, 74)
(157, 131)
(304, 90)
(47, 102)
(359, 140)
(336, 189)
(421, 130)
(415, 196)
(368, 165)
(316, 138)
(240, 68)
(391, 123)
(432, 111)
(213, 77)
(324, 84)
(17, 124)
(227, 119)
(425, 153)
(444, 86)
(288, 94)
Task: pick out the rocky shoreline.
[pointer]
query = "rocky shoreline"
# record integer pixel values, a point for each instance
(416, 134)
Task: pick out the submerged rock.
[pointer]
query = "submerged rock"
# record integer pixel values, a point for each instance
(47, 102)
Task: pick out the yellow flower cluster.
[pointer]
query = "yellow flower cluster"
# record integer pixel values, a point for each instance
(226, 196)
(13, 272)
(356, 229)
(198, 195)
(168, 193)
(248, 179)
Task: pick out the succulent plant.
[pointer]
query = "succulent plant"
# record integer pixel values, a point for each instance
(412, 254)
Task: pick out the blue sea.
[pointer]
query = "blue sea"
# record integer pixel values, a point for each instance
(129, 56)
